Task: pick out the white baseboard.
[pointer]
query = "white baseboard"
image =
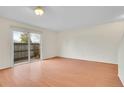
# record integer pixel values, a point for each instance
(5, 67)
(100, 61)
(50, 57)
(121, 79)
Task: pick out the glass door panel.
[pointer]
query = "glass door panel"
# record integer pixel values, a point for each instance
(20, 42)
(34, 47)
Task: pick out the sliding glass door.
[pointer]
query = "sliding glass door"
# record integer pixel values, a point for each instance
(34, 47)
(26, 47)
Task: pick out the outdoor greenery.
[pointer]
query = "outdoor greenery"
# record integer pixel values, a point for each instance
(24, 38)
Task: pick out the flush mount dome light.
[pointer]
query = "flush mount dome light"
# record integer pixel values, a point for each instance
(39, 11)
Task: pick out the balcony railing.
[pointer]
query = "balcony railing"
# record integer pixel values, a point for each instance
(21, 51)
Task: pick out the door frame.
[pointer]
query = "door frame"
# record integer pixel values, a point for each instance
(18, 29)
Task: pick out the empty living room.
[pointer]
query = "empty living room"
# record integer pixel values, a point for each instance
(61, 46)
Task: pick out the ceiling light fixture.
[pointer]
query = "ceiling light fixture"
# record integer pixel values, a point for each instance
(39, 11)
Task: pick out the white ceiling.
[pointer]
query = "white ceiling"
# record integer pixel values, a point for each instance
(61, 18)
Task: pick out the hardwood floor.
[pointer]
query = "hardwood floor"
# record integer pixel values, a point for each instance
(61, 72)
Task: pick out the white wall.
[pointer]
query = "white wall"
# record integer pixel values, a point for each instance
(98, 43)
(121, 60)
(48, 43)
